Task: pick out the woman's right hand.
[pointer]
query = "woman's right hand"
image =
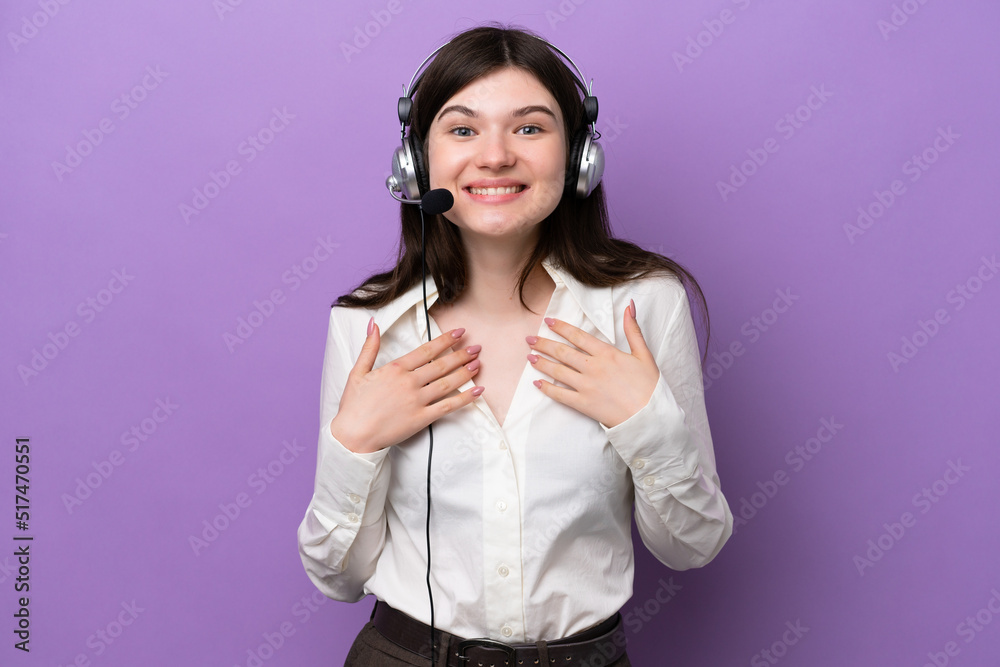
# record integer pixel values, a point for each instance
(386, 406)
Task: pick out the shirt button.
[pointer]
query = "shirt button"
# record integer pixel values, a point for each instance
(640, 464)
(501, 505)
(352, 517)
(506, 631)
(503, 570)
(503, 445)
(648, 481)
(355, 498)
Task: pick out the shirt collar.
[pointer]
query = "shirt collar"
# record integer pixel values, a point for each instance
(595, 302)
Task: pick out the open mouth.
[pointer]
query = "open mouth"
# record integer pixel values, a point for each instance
(509, 190)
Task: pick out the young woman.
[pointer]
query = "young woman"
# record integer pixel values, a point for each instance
(562, 377)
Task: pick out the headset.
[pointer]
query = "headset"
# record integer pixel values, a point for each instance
(410, 171)
(410, 178)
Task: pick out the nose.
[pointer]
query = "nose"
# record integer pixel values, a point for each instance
(495, 151)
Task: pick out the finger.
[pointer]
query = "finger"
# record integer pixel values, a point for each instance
(429, 351)
(446, 364)
(369, 351)
(567, 355)
(446, 384)
(563, 395)
(452, 403)
(633, 333)
(556, 371)
(577, 336)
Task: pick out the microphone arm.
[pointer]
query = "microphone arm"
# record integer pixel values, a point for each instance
(392, 186)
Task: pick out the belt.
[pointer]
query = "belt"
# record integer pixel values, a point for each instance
(600, 645)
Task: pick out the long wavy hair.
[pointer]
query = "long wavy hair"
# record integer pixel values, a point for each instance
(576, 235)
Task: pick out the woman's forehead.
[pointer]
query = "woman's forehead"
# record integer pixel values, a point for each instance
(510, 87)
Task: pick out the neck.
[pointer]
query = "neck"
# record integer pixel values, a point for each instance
(493, 270)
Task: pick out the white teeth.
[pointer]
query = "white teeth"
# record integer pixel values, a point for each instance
(496, 191)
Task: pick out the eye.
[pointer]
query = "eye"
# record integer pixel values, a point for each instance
(461, 128)
(532, 127)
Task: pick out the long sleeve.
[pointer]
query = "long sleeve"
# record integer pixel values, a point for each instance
(343, 531)
(680, 511)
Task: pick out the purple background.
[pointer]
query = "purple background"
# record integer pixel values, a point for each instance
(672, 132)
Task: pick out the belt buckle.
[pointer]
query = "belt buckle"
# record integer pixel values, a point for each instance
(486, 643)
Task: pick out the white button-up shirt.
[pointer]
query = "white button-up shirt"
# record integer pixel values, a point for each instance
(530, 522)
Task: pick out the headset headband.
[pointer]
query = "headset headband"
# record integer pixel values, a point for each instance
(589, 102)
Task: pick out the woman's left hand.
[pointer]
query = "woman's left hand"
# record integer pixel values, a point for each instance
(604, 383)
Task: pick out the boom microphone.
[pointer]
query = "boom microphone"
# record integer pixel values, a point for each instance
(437, 201)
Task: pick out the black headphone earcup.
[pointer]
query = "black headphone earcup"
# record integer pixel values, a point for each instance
(423, 178)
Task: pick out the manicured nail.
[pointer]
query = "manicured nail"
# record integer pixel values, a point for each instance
(631, 308)
(537, 383)
(531, 339)
(371, 325)
(474, 349)
(478, 390)
(473, 365)
(532, 358)
(549, 321)
(457, 333)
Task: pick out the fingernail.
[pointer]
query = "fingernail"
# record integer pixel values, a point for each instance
(531, 339)
(478, 390)
(532, 358)
(537, 383)
(474, 349)
(549, 321)
(631, 307)
(473, 365)
(457, 333)
(371, 325)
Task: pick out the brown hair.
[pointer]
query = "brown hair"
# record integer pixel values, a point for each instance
(576, 234)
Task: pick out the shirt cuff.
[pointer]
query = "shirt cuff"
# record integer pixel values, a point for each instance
(349, 492)
(656, 444)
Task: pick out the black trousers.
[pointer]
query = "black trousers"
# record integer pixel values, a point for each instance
(371, 649)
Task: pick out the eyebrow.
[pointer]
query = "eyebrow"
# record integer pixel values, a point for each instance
(516, 113)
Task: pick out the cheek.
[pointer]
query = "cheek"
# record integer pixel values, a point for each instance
(550, 164)
(442, 165)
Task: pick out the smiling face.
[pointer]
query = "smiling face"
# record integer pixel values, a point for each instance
(499, 145)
